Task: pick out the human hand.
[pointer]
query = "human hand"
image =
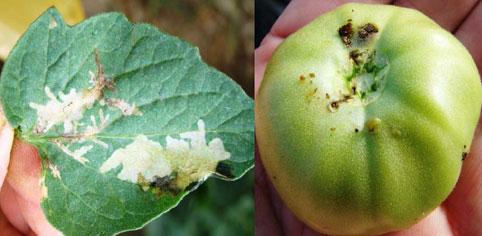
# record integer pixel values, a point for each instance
(461, 213)
(21, 192)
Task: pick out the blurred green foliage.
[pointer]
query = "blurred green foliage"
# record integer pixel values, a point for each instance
(224, 32)
(217, 208)
(222, 29)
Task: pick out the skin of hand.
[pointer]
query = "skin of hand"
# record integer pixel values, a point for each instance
(20, 195)
(461, 212)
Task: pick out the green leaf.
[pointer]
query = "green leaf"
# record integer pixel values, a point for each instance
(128, 120)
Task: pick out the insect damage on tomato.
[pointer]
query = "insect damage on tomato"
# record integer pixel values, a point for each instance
(367, 69)
(346, 33)
(366, 30)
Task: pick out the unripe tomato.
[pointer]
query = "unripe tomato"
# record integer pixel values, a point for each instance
(364, 116)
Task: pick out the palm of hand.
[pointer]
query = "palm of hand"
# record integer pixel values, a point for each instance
(461, 213)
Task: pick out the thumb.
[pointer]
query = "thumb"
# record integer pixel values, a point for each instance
(6, 141)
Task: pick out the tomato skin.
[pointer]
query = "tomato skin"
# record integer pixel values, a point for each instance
(347, 163)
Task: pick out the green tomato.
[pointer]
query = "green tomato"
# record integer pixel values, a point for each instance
(364, 116)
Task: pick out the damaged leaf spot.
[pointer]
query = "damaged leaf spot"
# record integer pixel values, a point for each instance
(166, 183)
(77, 154)
(68, 108)
(55, 170)
(190, 157)
(126, 108)
(224, 170)
(53, 23)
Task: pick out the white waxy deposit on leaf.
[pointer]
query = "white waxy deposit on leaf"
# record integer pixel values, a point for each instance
(190, 157)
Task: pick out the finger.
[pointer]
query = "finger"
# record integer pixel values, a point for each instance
(262, 56)
(35, 218)
(434, 224)
(6, 228)
(24, 176)
(448, 13)
(464, 205)
(10, 208)
(469, 34)
(300, 12)
(290, 224)
(6, 140)
(24, 171)
(266, 222)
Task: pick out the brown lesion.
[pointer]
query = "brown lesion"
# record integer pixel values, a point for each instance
(159, 185)
(166, 183)
(101, 81)
(346, 33)
(302, 78)
(334, 105)
(367, 30)
(224, 170)
(356, 55)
